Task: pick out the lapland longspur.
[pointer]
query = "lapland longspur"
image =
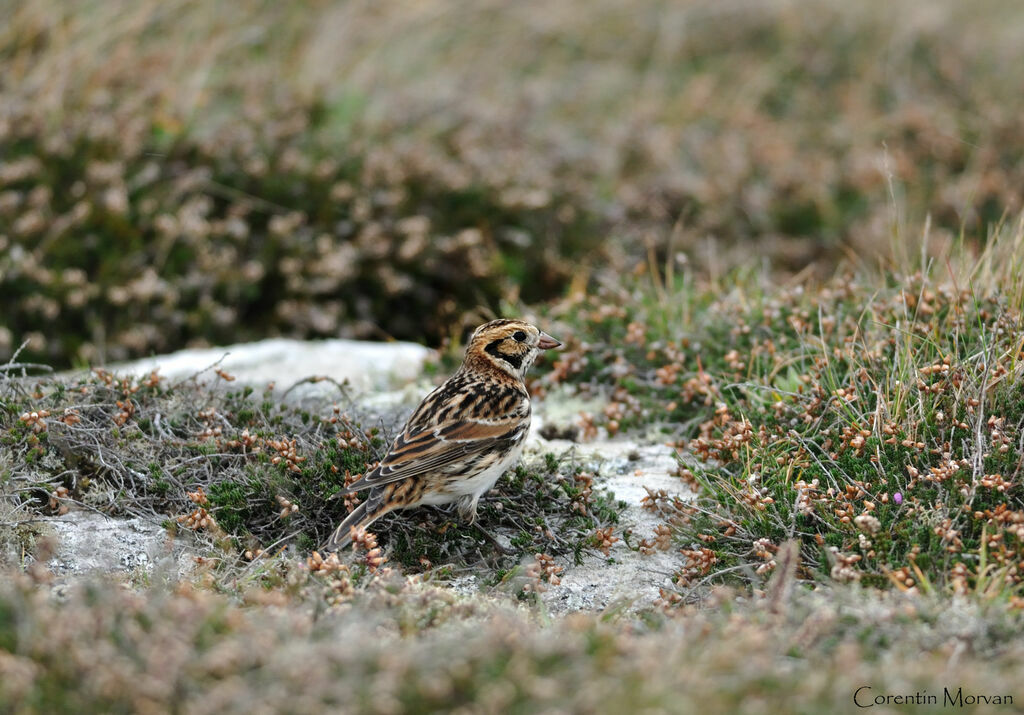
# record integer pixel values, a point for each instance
(464, 434)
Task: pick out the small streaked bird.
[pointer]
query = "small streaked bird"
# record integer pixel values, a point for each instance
(462, 437)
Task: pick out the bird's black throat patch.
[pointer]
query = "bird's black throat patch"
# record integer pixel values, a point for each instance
(493, 348)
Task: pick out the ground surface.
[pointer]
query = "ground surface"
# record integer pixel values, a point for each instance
(388, 376)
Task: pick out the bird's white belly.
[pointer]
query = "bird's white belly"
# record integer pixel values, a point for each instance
(477, 484)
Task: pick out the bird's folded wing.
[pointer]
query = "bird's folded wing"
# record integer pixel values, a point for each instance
(424, 449)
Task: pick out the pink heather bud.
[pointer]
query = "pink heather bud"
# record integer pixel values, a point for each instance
(897, 498)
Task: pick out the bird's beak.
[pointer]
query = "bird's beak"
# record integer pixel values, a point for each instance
(547, 342)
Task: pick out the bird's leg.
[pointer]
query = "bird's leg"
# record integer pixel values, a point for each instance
(494, 542)
(467, 511)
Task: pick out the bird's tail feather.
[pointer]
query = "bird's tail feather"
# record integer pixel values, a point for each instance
(362, 516)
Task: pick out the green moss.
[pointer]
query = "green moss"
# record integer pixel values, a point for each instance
(229, 503)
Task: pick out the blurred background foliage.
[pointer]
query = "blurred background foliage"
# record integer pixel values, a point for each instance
(178, 173)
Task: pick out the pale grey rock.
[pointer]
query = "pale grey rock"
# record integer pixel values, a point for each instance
(89, 543)
(624, 579)
(365, 366)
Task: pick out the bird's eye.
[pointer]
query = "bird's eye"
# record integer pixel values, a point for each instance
(519, 336)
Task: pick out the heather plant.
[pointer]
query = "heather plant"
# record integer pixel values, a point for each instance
(387, 645)
(122, 249)
(248, 473)
(876, 418)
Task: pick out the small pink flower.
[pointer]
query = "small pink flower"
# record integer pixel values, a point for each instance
(897, 498)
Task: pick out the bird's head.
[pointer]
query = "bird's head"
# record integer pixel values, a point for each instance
(508, 345)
